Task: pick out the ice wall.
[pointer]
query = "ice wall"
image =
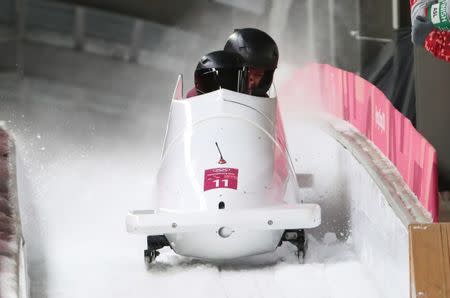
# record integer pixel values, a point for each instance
(363, 197)
(12, 256)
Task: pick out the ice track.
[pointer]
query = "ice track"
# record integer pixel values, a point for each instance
(79, 179)
(85, 160)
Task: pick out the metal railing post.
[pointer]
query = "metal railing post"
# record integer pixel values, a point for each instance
(79, 28)
(311, 28)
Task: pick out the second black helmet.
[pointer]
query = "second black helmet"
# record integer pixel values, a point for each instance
(219, 69)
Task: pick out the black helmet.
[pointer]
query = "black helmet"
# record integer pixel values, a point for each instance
(219, 69)
(259, 51)
(257, 48)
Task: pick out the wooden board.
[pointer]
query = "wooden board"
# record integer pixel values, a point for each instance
(429, 246)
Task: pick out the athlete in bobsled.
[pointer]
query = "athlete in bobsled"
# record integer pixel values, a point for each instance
(260, 54)
(225, 187)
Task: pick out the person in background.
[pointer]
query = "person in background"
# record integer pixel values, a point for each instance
(216, 70)
(260, 54)
(431, 26)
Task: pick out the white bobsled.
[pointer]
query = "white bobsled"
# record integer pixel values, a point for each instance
(226, 187)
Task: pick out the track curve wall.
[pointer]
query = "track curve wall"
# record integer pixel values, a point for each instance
(353, 99)
(371, 183)
(13, 276)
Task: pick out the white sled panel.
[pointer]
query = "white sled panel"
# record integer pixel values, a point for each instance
(299, 216)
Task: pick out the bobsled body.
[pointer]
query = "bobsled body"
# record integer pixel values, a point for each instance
(225, 187)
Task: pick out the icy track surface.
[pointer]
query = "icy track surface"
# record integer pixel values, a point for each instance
(88, 158)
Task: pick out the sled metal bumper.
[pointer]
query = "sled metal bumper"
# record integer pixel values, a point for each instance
(299, 216)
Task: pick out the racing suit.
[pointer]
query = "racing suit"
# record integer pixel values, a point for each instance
(192, 93)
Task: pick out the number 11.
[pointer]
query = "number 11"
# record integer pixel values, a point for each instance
(217, 182)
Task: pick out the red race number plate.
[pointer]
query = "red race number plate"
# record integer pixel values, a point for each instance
(221, 178)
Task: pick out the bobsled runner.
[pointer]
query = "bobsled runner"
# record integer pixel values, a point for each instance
(225, 187)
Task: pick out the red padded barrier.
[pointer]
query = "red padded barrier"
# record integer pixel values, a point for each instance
(351, 98)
